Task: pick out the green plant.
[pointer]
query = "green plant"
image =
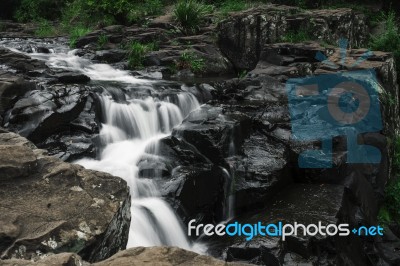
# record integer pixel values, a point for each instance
(137, 51)
(233, 5)
(102, 41)
(36, 10)
(76, 33)
(295, 37)
(390, 211)
(389, 41)
(144, 8)
(190, 14)
(45, 29)
(242, 74)
(190, 61)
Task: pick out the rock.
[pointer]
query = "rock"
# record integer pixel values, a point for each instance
(258, 174)
(110, 56)
(76, 78)
(51, 207)
(161, 256)
(11, 88)
(301, 203)
(197, 193)
(16, 162)
(63, 259)
(41, 113)
(20, 62)
(242, 36)
(164, 256)
(211, 132)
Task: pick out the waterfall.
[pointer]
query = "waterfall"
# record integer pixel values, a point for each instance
(127, 128)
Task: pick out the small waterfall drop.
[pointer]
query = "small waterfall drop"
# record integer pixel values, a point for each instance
(128, 129)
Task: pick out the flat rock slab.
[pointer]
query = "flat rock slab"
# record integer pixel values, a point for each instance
(48, 206)
(140, 256)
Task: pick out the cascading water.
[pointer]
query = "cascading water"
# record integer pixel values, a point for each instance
(128, 128)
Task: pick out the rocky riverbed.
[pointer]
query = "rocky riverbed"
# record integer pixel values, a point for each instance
(214, 144)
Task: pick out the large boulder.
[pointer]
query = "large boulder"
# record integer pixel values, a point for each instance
(241, 37)
(49, 206)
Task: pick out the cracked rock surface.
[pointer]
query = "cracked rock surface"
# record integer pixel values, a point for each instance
(49, 206)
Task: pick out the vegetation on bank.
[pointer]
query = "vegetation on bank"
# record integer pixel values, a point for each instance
(390, 211)
(389, 40)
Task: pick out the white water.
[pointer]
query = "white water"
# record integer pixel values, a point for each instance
(128, 129)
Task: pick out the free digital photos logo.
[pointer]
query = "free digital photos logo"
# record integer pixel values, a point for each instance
(325, 106)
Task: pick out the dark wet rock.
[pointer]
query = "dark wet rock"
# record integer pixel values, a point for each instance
(197, 192)
(20, 62)
(212, 133)
(69, 146)
(110, 56)
(11, 88)
(37, 220)
(73, 78)
(242, 36)
(259, 173)
(304, 204)
(42, 113)
(43, 50)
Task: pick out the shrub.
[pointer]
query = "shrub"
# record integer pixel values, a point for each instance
(102, 41)
(390, 212)
(190, 61)
(35, 10)
(389, 41)
(232, 6)
(81, 13)
(137, 51)
(76, 33)
(190, 15)
(98, 13)
(45, 29)
(142, 9)
(295, 37)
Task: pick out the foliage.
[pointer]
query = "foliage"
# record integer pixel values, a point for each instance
(295, 37)
(35, 10)
(242, 74)
(102, 41)
(389, 41)
(190, 61)
(96, 13)
(232, 6)
(137, 51)
(142, 9)
(390, 212)
(45, 29)
(190, 14)
(76, 33)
